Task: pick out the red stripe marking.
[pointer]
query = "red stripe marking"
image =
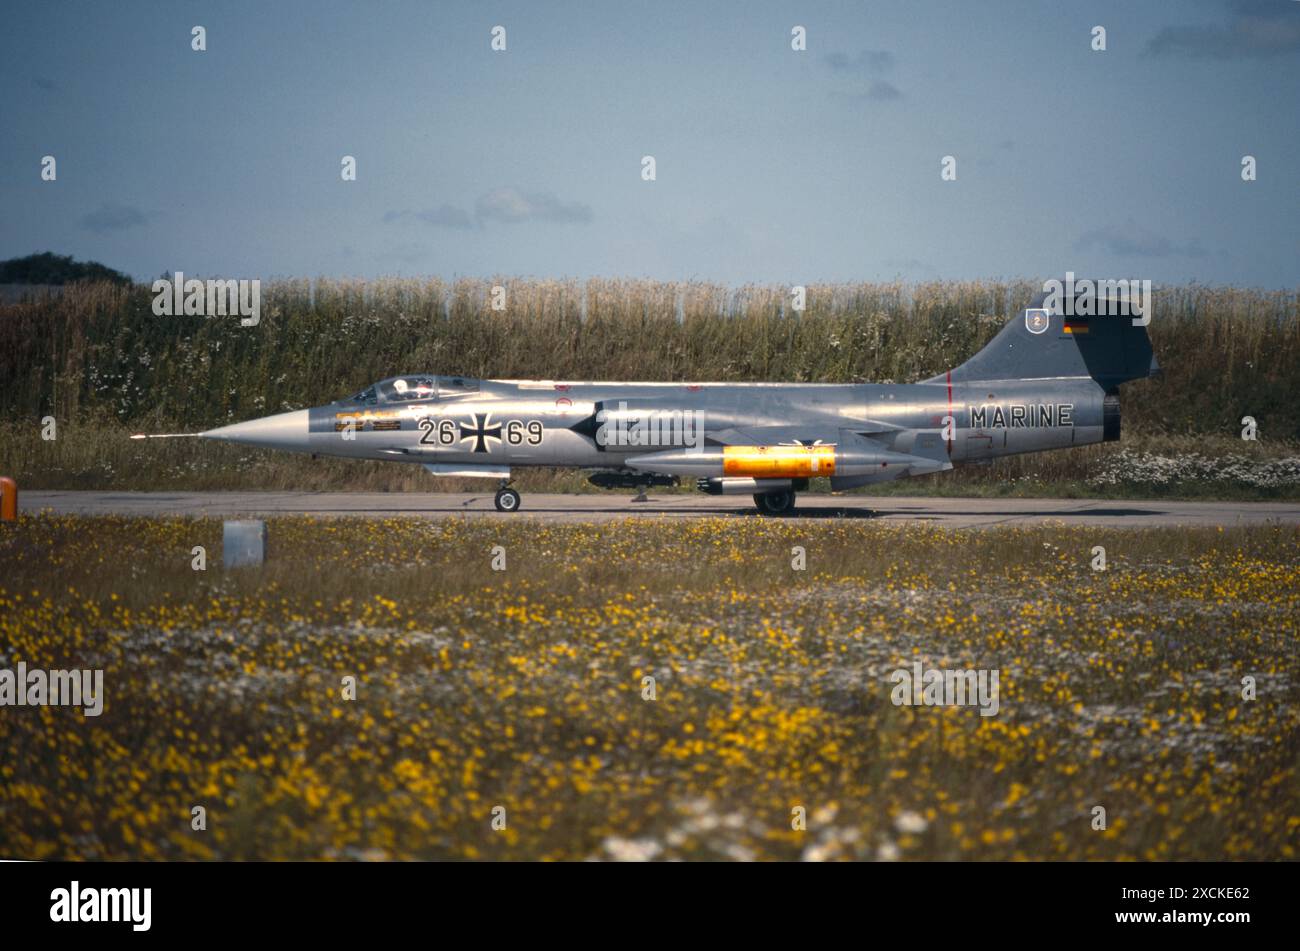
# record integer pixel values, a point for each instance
(950, 416)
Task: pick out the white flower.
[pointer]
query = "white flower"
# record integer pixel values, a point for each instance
(632, 850)
(911, 823)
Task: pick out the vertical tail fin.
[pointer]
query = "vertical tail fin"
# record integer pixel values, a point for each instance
(1041, 343)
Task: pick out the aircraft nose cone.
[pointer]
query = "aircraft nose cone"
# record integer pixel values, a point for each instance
(281, 431)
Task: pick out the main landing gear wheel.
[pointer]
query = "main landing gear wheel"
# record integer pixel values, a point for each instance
(780, 502)
(507, 500)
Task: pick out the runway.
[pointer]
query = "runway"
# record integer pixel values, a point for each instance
(946, 512)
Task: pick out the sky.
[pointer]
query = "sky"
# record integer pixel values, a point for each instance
(771, 165)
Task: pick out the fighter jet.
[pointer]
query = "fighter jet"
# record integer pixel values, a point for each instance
(1045, 381)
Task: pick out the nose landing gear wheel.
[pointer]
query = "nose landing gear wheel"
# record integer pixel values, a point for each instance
(780, 502)
(507, 500)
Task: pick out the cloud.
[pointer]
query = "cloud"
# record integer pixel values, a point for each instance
(882, 91)
(511, 206)
(864, 73)
(444, 216)
(1137, 243)
(502, 205)
(1255, 29)
(868, 61)
(110, 217)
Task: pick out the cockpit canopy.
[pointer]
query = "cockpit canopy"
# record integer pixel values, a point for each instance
(412, 389)
(407, 389)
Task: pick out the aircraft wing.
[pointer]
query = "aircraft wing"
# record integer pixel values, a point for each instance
(802, 434)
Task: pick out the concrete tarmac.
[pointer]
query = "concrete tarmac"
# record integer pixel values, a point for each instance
(947, 512)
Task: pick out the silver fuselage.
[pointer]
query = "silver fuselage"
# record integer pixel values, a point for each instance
(524, 423)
